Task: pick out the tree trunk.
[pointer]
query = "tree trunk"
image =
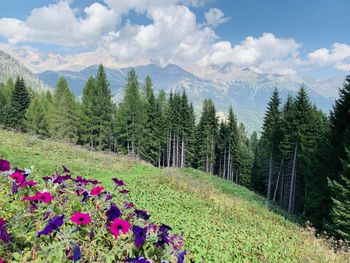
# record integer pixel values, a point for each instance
(292, 182)
(168, 148)
(174, 149)
(278, 179)
(224, 172)
(270, 175)
(182, 151)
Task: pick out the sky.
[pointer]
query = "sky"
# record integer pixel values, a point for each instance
(288, 37)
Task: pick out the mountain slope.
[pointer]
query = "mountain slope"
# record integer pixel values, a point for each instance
(220, 221)
(248, 92)
(11, 68)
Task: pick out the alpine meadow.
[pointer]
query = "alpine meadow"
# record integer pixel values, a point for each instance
(174, 131)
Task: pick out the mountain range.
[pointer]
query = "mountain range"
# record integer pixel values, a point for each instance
(245, 90)
(11, 68)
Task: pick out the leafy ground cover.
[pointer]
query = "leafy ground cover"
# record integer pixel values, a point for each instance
(219, 221)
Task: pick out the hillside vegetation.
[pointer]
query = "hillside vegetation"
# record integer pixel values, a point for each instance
(220, 221)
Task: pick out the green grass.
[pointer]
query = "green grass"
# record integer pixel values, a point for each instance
(220, 221)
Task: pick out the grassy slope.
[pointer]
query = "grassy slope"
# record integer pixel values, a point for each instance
(221, 222)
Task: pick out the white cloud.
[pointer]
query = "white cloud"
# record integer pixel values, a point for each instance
(58, 24)
(173, 36)
(338, 56)
(215, 17)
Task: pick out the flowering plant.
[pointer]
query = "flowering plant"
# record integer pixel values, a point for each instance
(66, 218)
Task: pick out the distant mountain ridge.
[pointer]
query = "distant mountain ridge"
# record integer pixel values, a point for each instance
(11, 68)
(248, 92)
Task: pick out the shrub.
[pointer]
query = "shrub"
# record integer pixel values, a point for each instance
(64, 218)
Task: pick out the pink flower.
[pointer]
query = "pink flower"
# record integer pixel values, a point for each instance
(80, 218)
(119, 225)
(45, 197)
(96, 190)
(30, 183)
(30, 198)
(17, 176)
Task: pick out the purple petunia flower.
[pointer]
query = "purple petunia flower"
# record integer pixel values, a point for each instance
(140, 235)
(65, 169)
(124, 191)
(128, 205)
(113, 212)
(53, 225)
(61, 178)
(4, 165)
(163, 236)
(76, 252)
(14, 188)
(4, 236)
(141, 214)
(109, 196)
(85, 196)
(47, 178)
(118, 182)
(181, 256)
(92, 234)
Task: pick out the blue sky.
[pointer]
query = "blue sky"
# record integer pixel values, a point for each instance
(268, 36)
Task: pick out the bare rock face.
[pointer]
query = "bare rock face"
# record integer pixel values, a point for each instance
(11, 68)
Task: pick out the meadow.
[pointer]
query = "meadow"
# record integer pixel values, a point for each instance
(219, 221)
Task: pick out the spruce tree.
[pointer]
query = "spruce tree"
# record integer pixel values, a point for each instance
(64, 122)
(340, 213)
(130, 117)
(36, 116)
(151, 136)
(20, 100)
(270, 141)
(207, 132)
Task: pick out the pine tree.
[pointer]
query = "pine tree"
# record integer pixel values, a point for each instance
(270, 141)
(130, 119)
(330, 152)
(5, 101)
(207, 132)
(340, 213)
(97, 112)
(151, 135)
(105, 109)
(36, 116)
(64, 122)
(20, 100)
(90, 118)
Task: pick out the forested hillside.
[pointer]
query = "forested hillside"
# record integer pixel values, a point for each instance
(300, 161)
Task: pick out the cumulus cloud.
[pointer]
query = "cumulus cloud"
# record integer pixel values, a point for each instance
(338, 56)
(173, 35)
(215, 17)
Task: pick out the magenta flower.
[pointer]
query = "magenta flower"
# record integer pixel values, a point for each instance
(4, 165)
(97, 190)
(119, 225)
(29, 183)
(45, 197)
(17, 176)
(118, 182)
(81, 218)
